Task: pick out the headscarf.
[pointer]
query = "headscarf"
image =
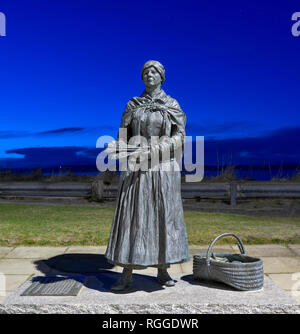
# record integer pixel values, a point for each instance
(158, 66)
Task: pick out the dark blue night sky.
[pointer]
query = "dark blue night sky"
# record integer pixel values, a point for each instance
(69, 67)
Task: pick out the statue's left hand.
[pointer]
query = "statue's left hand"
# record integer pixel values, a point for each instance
(160, 107)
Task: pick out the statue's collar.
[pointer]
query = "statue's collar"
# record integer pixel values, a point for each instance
(158, 95)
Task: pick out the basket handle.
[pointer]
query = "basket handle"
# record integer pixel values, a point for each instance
(209, 251)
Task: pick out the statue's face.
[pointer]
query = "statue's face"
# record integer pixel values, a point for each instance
(151, 77)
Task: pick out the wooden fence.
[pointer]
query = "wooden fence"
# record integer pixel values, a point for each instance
(222, 190)
(44, 189)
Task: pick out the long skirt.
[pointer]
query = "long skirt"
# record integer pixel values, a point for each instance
(148, 227)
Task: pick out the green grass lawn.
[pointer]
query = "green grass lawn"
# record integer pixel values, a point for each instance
(69, 225)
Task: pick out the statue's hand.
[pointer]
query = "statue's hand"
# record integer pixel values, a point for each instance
(160, 107)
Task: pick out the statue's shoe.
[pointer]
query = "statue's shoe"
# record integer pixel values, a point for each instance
(165, 280)
(121, 285)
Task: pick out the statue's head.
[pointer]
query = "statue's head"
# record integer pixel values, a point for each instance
(153, 73)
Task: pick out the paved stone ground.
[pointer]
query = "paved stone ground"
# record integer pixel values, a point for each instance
(18, 264)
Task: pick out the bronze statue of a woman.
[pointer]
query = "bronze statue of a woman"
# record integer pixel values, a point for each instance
(148, 227)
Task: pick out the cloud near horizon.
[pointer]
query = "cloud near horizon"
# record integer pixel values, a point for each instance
(18, 134)
(43, 157)
(61, 131)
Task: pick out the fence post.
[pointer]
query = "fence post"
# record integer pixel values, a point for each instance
(233, 192)
(97, 191)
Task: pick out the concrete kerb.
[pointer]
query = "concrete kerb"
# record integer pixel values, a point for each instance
(147, 295)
